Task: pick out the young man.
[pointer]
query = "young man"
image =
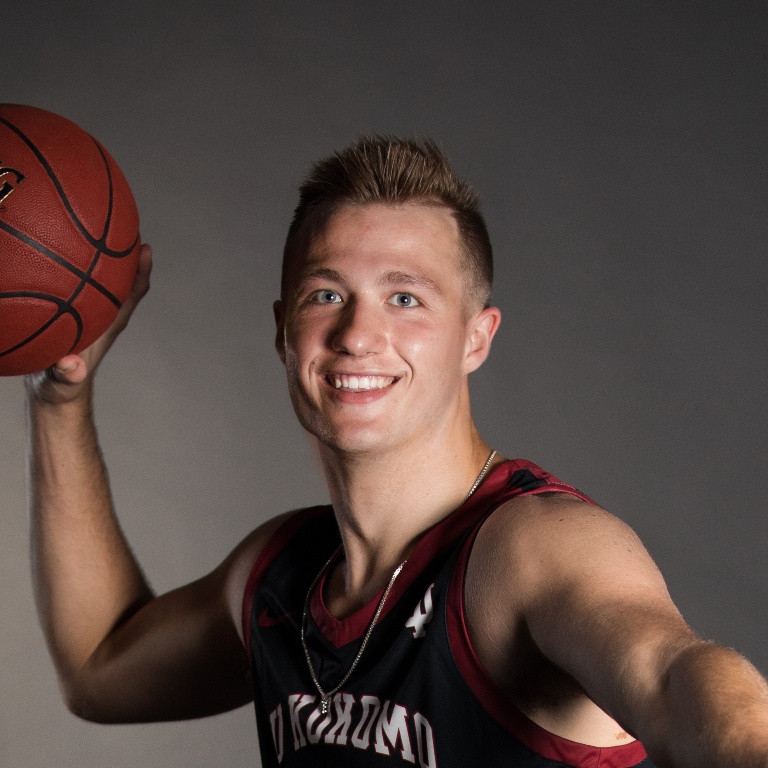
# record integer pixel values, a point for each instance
(451, 608)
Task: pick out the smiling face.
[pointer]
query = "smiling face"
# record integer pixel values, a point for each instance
(376, 331)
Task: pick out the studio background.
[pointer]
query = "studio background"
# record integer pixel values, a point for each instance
(619, 149)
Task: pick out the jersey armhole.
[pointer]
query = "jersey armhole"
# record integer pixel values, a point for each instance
(275, 544)
(493, 700)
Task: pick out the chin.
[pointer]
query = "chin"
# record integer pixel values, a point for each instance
(353, 441)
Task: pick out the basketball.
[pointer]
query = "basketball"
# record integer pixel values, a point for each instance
(69, 239)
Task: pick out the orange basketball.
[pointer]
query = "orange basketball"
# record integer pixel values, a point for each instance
(69, 239)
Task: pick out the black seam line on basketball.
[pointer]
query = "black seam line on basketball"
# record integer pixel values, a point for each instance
(62, 194)
(87, 279)
(98, 252)
(53, 256)
(108, 218)
(64, 309)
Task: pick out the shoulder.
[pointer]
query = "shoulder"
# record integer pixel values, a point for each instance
(235, 571)
(537, 535)
(537, 552)
(561, 597)
(539, 559)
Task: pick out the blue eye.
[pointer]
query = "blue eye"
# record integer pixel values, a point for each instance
(404, 300)
(326, 297)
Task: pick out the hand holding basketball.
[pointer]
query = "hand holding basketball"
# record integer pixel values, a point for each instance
(61, 381)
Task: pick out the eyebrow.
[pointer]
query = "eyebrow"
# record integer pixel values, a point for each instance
(319, 273)
(409, 279)
(393, 278)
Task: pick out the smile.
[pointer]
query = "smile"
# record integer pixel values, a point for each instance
(359, 383)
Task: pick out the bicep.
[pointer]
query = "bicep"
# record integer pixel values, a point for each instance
(601, 611)
(177, 656)
(591, 599)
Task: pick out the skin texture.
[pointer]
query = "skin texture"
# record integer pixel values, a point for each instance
(565, 609)
(372, 298)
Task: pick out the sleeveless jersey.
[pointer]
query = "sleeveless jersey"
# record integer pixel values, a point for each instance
(418, 695)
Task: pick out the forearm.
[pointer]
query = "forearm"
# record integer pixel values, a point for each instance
(84, 575)
(121, 655)
(711, 712)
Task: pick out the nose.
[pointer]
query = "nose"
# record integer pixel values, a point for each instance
(360, 330)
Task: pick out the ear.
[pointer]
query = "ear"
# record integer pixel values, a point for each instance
(279, 311)
(480, 332)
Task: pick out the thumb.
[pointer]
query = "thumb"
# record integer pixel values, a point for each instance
(71, 369)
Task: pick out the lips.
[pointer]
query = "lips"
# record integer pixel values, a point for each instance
(359, 383)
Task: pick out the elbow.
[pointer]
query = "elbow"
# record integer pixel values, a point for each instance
(83, 702)
(81, 705)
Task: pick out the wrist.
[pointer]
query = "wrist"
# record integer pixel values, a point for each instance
(45, 389)
(75, 406)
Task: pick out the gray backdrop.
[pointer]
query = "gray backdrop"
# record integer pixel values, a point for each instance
(619, 150)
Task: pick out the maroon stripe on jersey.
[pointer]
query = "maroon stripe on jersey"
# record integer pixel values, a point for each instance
(532, 735)
(495, 487)
(339, 632)
(272, 549)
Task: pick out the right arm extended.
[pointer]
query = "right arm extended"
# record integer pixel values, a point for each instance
(122, 654)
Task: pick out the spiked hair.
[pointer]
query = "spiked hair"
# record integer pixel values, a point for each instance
(386, 169)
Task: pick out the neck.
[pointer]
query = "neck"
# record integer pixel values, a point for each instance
(385, 502)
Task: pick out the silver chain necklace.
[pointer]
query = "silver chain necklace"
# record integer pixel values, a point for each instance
(326, 696)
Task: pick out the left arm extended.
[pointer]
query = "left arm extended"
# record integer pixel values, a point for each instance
(596, 606)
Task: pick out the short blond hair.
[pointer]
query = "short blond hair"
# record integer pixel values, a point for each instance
(387, 169)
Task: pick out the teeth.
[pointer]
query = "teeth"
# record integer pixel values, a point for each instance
(361, 383)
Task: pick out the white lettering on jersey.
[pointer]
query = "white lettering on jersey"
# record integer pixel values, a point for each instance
(425, 742)
(343, 719)
(314, 728)
(362, 734)
(297, 701)
(422, 615)
(276, 721)
(392, 725)
(394, 728)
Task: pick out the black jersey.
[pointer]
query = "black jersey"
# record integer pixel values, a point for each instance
(419, 695)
